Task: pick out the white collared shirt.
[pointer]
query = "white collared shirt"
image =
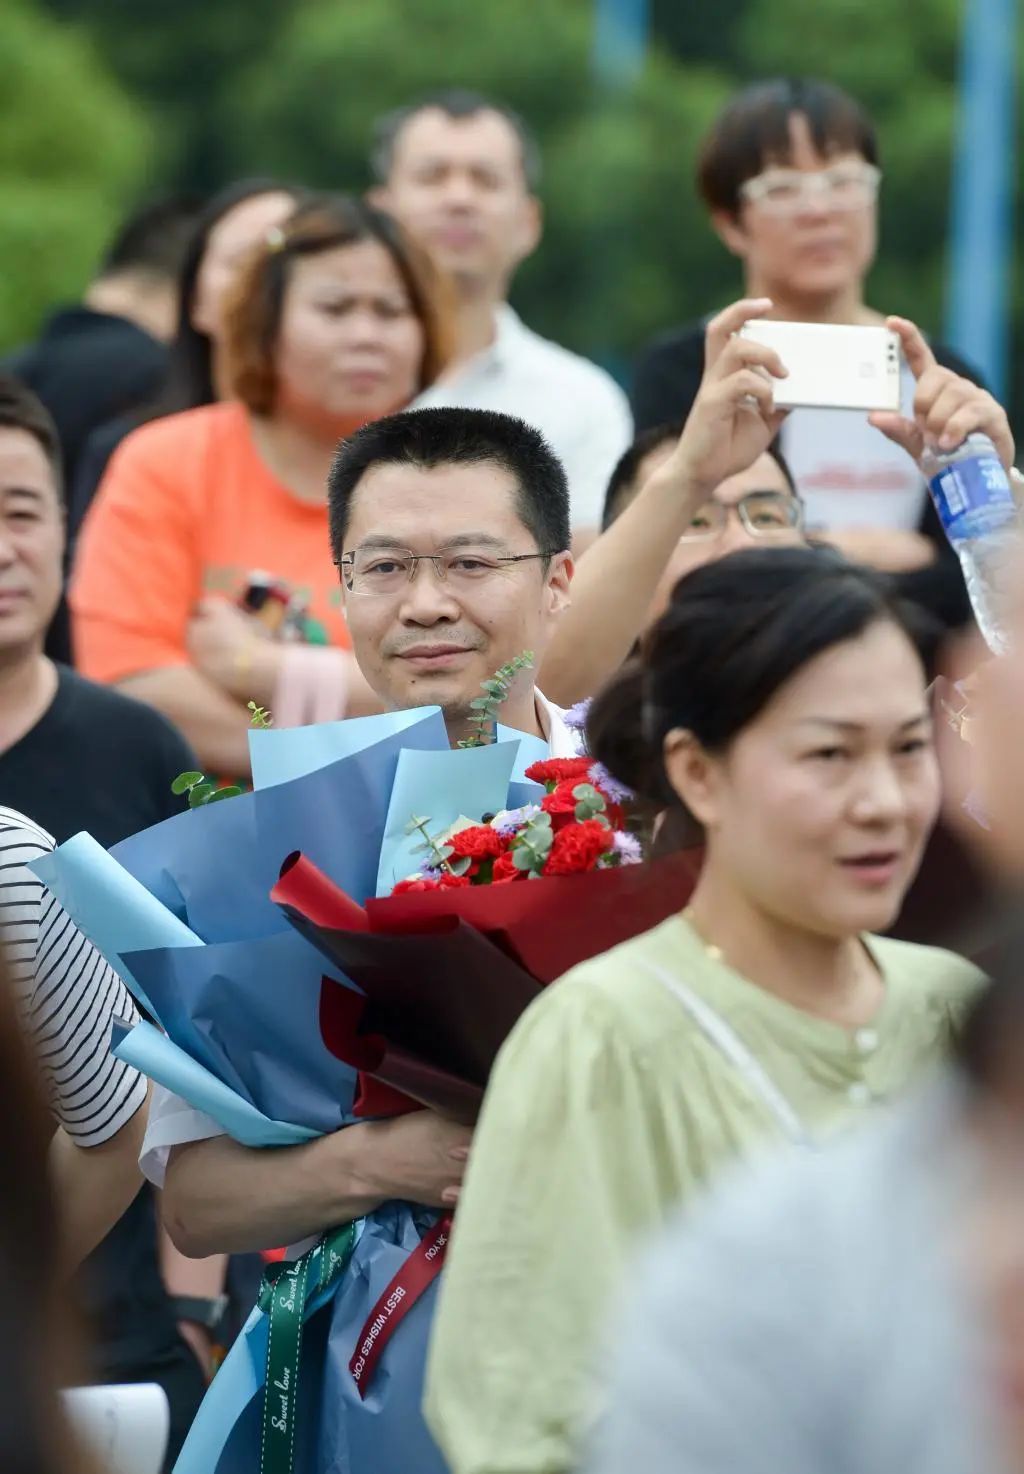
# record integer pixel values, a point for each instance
(173, 1122)
(578, 408)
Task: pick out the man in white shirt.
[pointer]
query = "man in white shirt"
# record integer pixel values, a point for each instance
(450, 528)
(459, 172)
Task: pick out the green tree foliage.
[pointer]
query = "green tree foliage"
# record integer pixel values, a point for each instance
(626, 250)
(72, 154)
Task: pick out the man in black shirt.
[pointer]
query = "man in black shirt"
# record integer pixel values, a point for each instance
(790, 174)
(74, 755)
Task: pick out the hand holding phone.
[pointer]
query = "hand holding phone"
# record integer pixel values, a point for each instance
(832, 365)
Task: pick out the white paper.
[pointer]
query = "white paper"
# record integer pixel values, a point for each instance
(125, 1428)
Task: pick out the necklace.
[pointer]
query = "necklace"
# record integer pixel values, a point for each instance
(713, 953)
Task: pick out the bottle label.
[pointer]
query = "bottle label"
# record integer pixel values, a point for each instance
(973, 498)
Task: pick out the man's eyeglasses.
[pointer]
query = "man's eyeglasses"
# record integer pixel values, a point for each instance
(848, 186)
(762, 513)
(380, 571)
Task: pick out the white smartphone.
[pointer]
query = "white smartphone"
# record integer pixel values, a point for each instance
(832, 366)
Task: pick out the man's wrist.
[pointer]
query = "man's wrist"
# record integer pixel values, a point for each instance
(679, 487)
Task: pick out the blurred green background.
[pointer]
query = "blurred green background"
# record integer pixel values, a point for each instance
(105, 102)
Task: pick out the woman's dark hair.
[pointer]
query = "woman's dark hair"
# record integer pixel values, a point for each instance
(735, 632)
(753, 131)
(321, 223)
(190, 362)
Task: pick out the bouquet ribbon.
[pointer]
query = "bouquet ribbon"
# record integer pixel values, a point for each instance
(413, 1279)
(282, 1297)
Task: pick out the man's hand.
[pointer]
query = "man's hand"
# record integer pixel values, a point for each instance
(420, 1157)
(947, 408)
(732, 421)
(232, 649)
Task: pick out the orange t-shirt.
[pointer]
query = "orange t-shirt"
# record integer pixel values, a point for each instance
(188, 508)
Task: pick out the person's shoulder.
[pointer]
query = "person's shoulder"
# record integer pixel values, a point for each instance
(572, 369)
(18, 832)
(683, 344)
(102, 707)
(949, 358)
(192, 430)
(918, 967)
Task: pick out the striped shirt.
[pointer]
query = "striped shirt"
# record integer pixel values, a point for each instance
(66, 993)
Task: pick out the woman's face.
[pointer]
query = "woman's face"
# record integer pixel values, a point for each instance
(230, 241)
(818, 811)
(814, 251)
(351, 346)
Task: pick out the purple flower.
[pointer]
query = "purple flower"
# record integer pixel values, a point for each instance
(627, 847)
(428, 871)
(576, 717)
(611, 787)
(511, 820)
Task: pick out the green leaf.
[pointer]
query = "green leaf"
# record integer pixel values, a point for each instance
(231, 791)
(522, 859)
(200, 793)
(480, 703)
(461, 865)
(417, 822)
(185, 781)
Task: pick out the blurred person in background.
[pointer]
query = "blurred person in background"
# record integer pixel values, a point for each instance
(781, 704)
(226, 231)
(461, 173)
(204, 576)
(79, 756)
(790, 176)
(36, 1358)
(108, 354)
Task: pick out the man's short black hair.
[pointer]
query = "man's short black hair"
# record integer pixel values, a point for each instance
(456, 102)
(753, 131)
(153, 240)
(428, 438)
(21, 410)
(622, 487)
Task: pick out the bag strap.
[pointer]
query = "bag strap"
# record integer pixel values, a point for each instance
(729, 1044)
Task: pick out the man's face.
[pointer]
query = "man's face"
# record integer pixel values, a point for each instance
(430, 640)
(31, 542)
(457, 184)
(817, 249)
(720, 536)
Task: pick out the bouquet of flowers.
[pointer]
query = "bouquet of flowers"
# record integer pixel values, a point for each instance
(306, 964)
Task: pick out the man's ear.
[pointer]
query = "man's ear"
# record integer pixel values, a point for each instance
(730, 232)
(559, 582)
(529, 229)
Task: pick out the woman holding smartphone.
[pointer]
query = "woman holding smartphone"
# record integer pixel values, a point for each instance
(791, 722)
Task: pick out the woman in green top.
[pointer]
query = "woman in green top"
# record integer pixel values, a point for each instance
(782, 702)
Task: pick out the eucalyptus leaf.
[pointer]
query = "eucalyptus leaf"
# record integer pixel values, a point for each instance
(461, 865)
(185, 781)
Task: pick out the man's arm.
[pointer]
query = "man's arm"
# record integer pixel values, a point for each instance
(220, 1197)
(612, 587)
(95, 1185)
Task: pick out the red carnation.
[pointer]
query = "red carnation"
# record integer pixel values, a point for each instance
(418, 883)
(560, 769)
(480, 842)
(505, 869)
(450, 882)
(561, 799)
(578, 847)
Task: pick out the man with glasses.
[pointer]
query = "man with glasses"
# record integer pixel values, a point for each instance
(450, 529)
(790, 175)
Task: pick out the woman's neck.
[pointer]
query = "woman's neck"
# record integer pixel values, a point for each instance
(831, 978)
(298, 457)
(843, 307)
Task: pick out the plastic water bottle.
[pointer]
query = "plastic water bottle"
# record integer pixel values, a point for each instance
(974, 500)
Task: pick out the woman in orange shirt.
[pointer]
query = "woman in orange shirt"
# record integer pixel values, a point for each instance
(204, 577)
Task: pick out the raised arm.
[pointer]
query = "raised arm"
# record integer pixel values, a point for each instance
(732, 422)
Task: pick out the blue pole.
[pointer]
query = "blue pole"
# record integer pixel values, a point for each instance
(621, 29)
(981, 227)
